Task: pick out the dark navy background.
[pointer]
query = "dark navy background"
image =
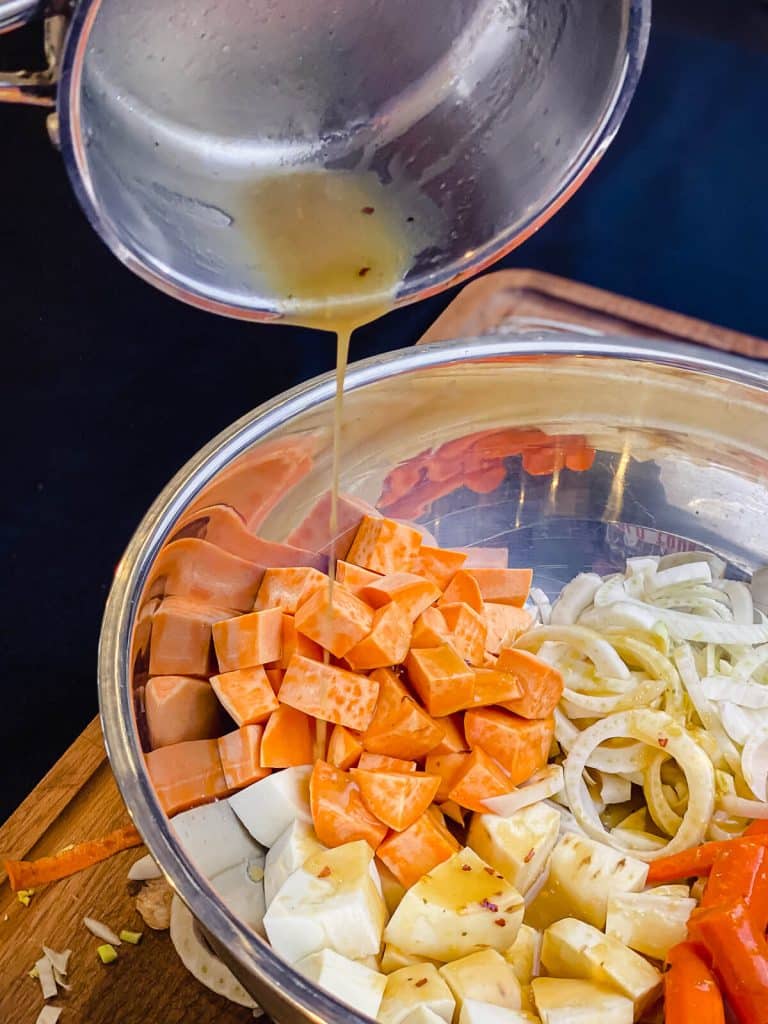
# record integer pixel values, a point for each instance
(107, 386)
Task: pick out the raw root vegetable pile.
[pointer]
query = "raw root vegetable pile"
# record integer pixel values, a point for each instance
(447, 800)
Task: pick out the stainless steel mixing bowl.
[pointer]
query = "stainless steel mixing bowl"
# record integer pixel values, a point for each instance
(680, 460)
(484, 115)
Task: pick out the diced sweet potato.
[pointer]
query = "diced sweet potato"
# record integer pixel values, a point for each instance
(520, 745)
(449, 767)
(439, 565)
(411, 592)
(452, 810)
(186, 774)
(338, 812)
(396, 798)
(453, 741)
(504, 586)
(294, 642)
(330, 693)
(337, 622)
(288, 740)
(478, 779)
(286, 588)
(541, 685)
(353, 577)
(467, 630)
(414, 852)
(344, 748)
(386, 644)
(441, 678)
(205, 574)
(246, 694)
(493, 686)
(275, 677)
(505, 624)
(383, 763)
(399, 727)
(223, 526)
(181, 637)
(430, 629)
(240, 753)
(248, 640)
(463, 589)
(383, 545)
(180, 708)
(314, 532)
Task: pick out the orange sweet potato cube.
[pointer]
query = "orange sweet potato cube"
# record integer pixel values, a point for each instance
(246, 694)
(413, 853)
(520, 745)
(329, 693)
(465, 589)
(504, 586)
(479, 778)
(383, 545)
(441, 678)
(344, 748)
(240, 753)
(493, 686)
(288, 740)
(180, 708)
(505, 624)
(386, 644)
(438, 564)
(337, 623)
(338, 812)
(286, 588)
(384, 763)
(400, 727)
(353, 577)
(247, 640)
(181, 637)
(294, 642)
(454, 741)
(449, 767)
(430, 629)
(468, 631)
(411, 592)
(541, 685)
(186, 774)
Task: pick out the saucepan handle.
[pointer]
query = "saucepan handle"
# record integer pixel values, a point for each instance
(35, 87)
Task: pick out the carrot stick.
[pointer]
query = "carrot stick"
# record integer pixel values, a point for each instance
(740, 873)
(697, 861)
(758, 827)
(690, 989)
(26, 874)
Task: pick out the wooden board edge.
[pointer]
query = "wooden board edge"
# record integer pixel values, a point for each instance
(52, 795)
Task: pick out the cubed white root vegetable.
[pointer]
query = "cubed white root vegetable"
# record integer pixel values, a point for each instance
(243, 895)
(566, 1001)
(392, 959)
(474, 1011)
(461, 906)
(648, 922)
(422, 1015)
(524, 955)
(392, 890)
(268, 807)
(583, 875)
(414, 986)
(331, 902)
(144, 869)
(373, 963)
(669, 890)
(214, 838)
(289, 852)
(351, 982)
(573, 949)
(198, 959)
(485, 976)
(517, 846)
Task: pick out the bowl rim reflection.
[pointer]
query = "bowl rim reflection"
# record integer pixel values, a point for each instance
(115, 693)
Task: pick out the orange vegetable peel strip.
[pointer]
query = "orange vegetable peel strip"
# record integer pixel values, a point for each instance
(27, 874)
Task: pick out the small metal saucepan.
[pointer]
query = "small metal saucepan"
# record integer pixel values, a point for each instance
(492, 111)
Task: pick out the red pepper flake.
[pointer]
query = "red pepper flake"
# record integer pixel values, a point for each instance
(367, 209)
(488, 871)
(663, 741)
(363, 271)
(529, 856)
(325, 872)
(420, 982)
(493, 907)
(500, 922)
(466, 867)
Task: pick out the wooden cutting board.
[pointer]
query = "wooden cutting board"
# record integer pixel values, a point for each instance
(78, 798)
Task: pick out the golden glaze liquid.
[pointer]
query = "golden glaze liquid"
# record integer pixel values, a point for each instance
(338, 246)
